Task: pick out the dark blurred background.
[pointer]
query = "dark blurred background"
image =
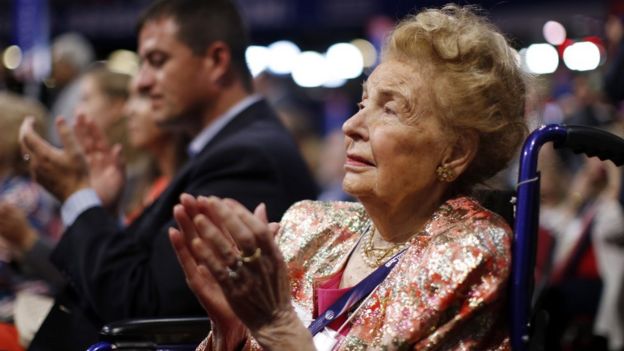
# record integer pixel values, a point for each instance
(309, 58)
(109, 24)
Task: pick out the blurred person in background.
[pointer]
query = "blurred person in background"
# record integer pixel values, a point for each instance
(72, 54)
(324, 155)
(167, 149)
(554, 182)
(30, 225)
(103, 97)
(295, 111)
(609, 243)
(297, 119)
(194, 72)
(614, 76)
(583, 274)
(330, 172)
(416, 265)
(17, 189)
(581, 250)
(590, 108)
(580, 101)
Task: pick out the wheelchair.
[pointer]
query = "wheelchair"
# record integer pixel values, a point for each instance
(526, 323)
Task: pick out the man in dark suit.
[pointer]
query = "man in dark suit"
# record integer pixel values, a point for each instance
(193, 69)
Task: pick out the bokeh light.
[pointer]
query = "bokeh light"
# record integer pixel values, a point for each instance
(282, 56)
(258, 58)
(554, 32)
(582, 56)
(123, 61)
(344, 61)
(310, 70)
(540, 58)
(368, 51)
(12, 57)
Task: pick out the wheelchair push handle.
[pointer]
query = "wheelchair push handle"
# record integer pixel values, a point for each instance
(593, 142)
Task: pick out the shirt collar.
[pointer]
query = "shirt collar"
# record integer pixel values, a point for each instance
(208, 133)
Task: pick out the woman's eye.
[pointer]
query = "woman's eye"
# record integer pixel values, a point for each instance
(360, 106)
(388, 110)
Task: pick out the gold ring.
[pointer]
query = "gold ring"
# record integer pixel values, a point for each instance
(252, 257)
(26, 157)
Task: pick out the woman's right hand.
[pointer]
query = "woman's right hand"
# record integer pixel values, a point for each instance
(227, 330)
(239, 249)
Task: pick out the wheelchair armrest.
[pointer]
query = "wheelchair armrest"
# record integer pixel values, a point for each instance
(157, 331)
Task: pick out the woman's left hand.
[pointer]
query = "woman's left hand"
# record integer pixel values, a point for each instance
(255, 282)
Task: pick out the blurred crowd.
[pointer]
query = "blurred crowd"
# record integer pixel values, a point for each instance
(581, 254)
(580, 259)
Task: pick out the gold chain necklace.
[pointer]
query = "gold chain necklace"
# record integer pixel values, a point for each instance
(374, 257)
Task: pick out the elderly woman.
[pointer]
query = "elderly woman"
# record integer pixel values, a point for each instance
(418, 264)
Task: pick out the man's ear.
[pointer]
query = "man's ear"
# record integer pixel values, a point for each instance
(462, 153)
(218, 60)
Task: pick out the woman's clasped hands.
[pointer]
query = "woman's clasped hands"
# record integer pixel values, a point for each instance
(235, 268)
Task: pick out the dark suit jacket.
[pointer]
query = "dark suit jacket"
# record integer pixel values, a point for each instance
(116, 274)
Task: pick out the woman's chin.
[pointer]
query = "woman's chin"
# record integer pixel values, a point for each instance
(355, 189)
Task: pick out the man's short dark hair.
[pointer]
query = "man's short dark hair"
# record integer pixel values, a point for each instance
(201, 23)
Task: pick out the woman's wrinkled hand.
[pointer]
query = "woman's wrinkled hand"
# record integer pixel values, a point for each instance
(254, 280)
(238, 250)
(228, 331)
(198, 277)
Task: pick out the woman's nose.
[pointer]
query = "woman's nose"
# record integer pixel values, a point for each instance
(355, 126)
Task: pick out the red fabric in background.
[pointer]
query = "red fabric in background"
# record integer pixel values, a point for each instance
(545, 245)
(8, 338)
(588, 267)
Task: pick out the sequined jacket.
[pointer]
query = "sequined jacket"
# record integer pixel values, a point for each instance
(447, 291)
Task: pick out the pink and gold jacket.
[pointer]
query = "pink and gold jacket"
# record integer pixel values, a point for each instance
(447, 291)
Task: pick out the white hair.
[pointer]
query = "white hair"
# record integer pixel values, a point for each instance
(73, 48)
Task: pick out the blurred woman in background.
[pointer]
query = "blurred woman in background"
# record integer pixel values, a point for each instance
(166, 148)
(20, 196)
(103, 97)
(30, 226)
